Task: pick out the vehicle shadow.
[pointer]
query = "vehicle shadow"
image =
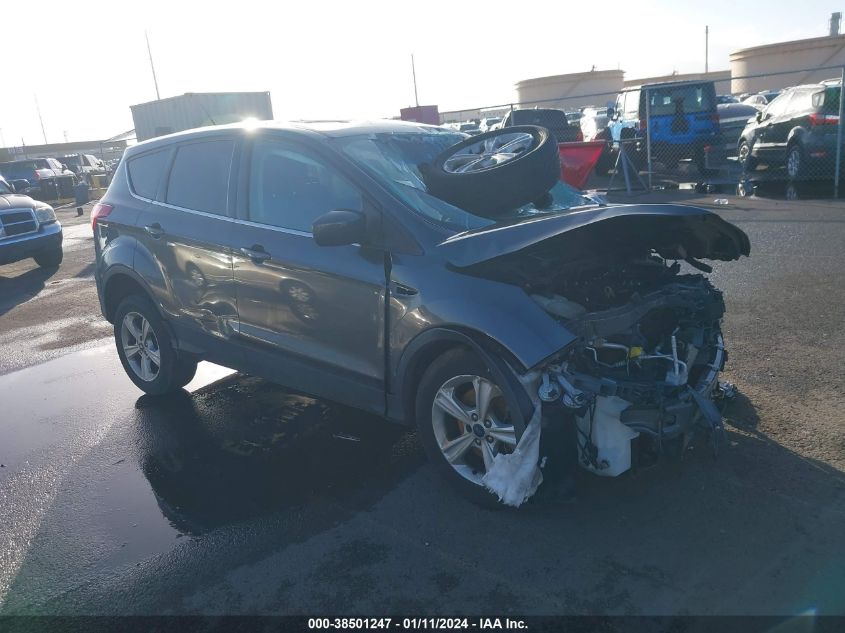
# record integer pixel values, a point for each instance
(244, 447)
(21, 288)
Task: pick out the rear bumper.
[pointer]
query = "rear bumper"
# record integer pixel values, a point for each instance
(14, 249)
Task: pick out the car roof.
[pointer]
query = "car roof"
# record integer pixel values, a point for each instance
(320, 128)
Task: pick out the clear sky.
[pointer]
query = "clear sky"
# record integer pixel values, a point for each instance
(87, 62)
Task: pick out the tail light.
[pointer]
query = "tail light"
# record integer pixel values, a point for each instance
(579, 136)
(824, 119)
(100, 211)
(644, 124)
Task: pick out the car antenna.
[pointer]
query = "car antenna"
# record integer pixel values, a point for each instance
(210, 118)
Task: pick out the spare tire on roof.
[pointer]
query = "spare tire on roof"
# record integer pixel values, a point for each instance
(496, 172)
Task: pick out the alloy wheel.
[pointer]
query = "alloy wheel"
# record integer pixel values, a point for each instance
(744, 151)
(140, 346)
(793, 162)
(489, 152)
(472, 425)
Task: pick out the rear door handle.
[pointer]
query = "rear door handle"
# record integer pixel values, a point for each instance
(154, 230)
(256, 253)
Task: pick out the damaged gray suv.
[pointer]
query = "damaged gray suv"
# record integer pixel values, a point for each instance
(449, 282)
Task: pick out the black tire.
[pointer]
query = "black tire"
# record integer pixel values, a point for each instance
(794, 152)
(457, 362)
(493, 191)
(749, 163)
(49, 259)
(701, 164)
(175, 370)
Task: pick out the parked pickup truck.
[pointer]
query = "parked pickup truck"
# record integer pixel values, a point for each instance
(553, 120)
(84, 164)
(28, 228)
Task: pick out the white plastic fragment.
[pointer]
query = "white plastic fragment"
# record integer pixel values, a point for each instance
(515, 477)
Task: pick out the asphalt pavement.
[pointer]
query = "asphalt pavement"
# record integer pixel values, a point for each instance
(240, 497)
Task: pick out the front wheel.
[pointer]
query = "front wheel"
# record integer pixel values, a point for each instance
(464, 421)
(146, 349)
(746, 160)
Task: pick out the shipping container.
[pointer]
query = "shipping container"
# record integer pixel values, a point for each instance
(198, 109)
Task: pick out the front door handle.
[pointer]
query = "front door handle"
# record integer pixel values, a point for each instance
(256, 253)
(154, 230)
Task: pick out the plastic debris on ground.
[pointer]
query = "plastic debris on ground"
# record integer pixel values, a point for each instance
(515, 477)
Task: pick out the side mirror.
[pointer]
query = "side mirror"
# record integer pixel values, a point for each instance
(759, 115)
(611, 112)
(340, 228)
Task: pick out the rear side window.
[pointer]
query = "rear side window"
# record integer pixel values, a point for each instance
(801, 101)
(145, 173)
(543, 118)
(199, 179)
(682, 100)
(829, 99)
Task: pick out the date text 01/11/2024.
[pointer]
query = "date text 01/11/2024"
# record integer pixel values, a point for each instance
(413, 624)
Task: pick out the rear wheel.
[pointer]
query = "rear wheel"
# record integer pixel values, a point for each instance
(464, 420)
(146, 349)
(701, 164)
(49, 259)
(794, 162)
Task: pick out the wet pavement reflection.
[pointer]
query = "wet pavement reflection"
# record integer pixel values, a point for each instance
(94, 478)
(243, 447)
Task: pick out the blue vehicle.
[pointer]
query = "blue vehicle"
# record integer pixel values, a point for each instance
(680, 117)
(28, 228)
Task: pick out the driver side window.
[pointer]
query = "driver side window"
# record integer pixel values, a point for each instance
(290, 188)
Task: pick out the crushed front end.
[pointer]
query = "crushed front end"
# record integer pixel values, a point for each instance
(646, 364)
(628, 284)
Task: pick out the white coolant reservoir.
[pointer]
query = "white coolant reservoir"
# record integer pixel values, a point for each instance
(610, 436)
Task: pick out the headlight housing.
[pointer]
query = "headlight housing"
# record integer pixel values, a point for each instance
(45, 214)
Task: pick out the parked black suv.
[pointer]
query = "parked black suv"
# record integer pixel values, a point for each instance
(317, 256)
(796, 130)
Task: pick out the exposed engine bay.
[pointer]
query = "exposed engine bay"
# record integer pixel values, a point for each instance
(647, 359)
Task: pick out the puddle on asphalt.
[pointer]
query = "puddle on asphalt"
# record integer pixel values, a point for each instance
(121, 477)
(244, 447)
(775, 189)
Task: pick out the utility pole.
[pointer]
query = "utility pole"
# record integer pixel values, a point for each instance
(414, 73)
(38, 109)
(706, 49)
(152, 66)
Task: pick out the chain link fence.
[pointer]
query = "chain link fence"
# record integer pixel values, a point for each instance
(781, 127)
